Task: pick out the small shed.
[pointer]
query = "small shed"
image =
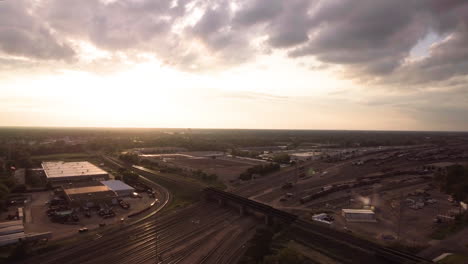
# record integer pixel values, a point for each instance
(119, 187)
(359, 215)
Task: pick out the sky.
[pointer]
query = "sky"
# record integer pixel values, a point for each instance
(266, 64)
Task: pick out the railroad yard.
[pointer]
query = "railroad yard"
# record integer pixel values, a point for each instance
(203, 233)
(309, 205)
(397, 183)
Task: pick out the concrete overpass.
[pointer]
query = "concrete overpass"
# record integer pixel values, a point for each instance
(247, 206)
(350, 249)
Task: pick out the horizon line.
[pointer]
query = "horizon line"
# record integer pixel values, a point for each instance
(213, 128)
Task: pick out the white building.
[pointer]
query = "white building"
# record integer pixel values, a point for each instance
(359, 215)
(73, 171)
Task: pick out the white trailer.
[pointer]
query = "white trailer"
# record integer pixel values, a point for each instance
(359, 215)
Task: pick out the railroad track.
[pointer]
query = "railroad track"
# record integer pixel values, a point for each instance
(135, 226)
(225, 252)
(111, 239)
(165, 242)
(319, 235)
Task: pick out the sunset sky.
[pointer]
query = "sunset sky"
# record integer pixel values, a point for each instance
(295, 64)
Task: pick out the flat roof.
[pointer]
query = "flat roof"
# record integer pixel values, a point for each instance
(117, 185)
(61, 169)
(90, 189)
(358, 211)
(90, 193)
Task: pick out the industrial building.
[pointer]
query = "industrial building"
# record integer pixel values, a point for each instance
(59, 172)
(12, 232)
(119, 187)
(89, 196)
(359, 215)
(95, 192)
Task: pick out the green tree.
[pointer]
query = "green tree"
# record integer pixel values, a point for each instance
(131, 158)
(281, 158)
(129, 176)
(455, 182)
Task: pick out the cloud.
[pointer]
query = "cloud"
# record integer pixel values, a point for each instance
(373, 39)
(24, 35)
(370, 39)
(258, 11)
(372, 36)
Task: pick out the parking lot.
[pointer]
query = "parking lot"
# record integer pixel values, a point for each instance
(37, 219)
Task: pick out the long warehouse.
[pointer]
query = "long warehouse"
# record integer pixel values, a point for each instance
(73, 171)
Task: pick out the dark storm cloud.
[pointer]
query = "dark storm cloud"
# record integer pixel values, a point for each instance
(27, 36)
(375, 37)
(253, 12)
(371, 35)
(446, 60)
(291, 27)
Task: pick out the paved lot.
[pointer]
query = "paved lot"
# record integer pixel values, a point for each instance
(40, 222)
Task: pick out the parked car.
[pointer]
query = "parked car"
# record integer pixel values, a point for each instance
(124, 204)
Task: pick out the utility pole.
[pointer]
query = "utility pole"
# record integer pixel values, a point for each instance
(400, 209)
(158, 257)
(297, 176)
(213, 158)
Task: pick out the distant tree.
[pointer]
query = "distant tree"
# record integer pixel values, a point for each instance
(19, 188)
(282, 158)
(4, 191)
(259, 169)
(455, 182)
(245, 176)
(19, 252)
(129, 176)
(131, 158)
(259, 245)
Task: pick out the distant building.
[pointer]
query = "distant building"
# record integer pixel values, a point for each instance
(57, 172)
(359, 215)
(11, 232)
